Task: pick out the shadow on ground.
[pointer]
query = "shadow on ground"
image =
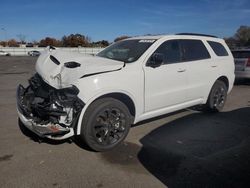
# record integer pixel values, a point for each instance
(200, 150)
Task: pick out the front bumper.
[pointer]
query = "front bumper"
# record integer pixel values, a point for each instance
(45, 129)
(43, 118)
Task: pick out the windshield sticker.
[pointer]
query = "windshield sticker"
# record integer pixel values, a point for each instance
(147, 41)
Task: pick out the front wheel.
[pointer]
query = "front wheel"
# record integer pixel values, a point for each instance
(105, 124)
(217, 97)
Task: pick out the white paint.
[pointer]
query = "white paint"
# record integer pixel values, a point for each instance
(154, 91)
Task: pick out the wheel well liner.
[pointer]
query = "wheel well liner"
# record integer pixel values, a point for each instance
(225, 80)
(123, 98)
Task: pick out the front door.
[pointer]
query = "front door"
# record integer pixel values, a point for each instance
(166, 85)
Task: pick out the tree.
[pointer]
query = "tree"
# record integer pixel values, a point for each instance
(121, 38)
(231, 42)
(240, 39)
(22, 38)
(48, 41)
(243, 35)
(34, 42)
(13, 43)
(88, 39)
(101, 43)
(3, 43)
(75, 40)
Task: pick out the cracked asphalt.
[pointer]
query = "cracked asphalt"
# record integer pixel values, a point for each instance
(182, 149)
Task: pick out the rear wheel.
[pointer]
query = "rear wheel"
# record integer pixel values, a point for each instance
(105, 124)
(217, 97)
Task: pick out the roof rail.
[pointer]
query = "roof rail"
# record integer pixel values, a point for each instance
(197, 34)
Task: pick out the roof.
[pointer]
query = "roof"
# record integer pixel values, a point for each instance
(197, 34)
(193, 35)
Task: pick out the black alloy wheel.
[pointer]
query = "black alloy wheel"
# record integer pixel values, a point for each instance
(109, 126)
(105, 124)
(217, 97)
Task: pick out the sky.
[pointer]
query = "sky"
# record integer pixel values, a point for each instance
(37, 19)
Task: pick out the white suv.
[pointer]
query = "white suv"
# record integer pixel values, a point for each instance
(132, 80)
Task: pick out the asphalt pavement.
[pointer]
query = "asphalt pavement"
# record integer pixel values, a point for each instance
(183, 149)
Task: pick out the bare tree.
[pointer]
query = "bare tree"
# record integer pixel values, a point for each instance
(48, 41)
(243, 35)
(22, 38)
(75, 40)
(12, 43)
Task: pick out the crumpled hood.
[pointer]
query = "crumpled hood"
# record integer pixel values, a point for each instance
(59, 76)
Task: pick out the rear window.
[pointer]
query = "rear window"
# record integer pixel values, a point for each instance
(241, 54)
(194, 50)
(218, 48)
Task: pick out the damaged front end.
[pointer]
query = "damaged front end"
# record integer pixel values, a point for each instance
(49, 112)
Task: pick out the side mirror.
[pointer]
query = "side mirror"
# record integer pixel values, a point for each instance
(156, 60)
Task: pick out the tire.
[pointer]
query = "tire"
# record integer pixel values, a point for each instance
(217, 97)
(106, 124)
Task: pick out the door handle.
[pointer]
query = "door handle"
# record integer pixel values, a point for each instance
(181, 70)
(213, 66)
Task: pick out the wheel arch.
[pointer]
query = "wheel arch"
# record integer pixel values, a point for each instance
(221, 78)
(126, 98)
(123, 98)
(210, 107)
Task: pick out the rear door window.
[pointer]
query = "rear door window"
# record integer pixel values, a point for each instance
(218, 48)
(193, 50)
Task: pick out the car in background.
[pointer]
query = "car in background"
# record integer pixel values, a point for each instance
(2, 53)
(242, 63)
(34, 53)
(29, 45)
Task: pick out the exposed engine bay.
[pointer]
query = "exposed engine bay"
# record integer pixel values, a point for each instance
(51, 112)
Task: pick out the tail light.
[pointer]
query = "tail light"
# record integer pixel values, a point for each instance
(248, 62)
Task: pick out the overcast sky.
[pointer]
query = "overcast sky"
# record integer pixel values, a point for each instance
(108, 19)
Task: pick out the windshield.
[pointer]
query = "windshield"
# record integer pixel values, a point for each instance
(127, 51)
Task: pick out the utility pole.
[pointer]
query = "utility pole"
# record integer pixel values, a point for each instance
(5, 33)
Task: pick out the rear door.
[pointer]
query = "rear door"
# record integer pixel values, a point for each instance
(200, 68)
